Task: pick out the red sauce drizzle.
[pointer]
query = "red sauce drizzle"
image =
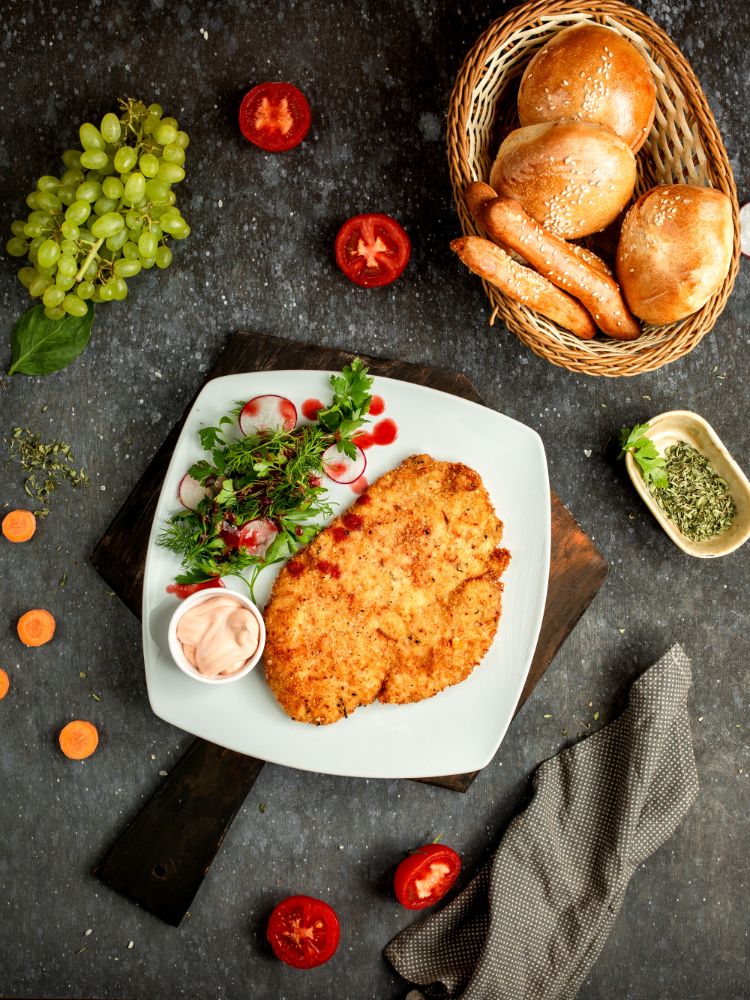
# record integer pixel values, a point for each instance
(364, 439)
(377, 406)
(363, 500)
(385, 432)
(230, 535)
(353, 522)
(329, 569)
(310, 408)
(359, 486)
(295, 568)
(339, 535)
(183, 590)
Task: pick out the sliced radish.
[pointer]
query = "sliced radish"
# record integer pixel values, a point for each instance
(745, 229)
(191, 492)
(256, 536)
(342, 469)
(268, 413)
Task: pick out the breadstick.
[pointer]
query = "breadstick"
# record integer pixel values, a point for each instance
(551, 256)
(523, 284)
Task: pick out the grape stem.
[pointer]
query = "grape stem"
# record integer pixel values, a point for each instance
(92, 254)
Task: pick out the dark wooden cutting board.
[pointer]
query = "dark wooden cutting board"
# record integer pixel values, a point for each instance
(163, 855)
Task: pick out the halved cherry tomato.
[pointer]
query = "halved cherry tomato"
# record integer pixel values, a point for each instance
(275, 116)
(183, 590)
(372, 250)
(304, 932)
(426, 875)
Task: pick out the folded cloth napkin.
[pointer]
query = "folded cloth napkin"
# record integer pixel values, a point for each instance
(532, 923)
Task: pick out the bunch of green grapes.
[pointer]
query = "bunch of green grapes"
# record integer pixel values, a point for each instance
(108, 216)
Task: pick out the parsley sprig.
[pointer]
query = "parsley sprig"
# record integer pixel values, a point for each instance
(273, 476)
(645, 454)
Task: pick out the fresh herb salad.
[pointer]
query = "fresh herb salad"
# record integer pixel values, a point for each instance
(261, 497)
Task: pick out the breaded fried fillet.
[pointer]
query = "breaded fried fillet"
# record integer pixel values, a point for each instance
(397, 599)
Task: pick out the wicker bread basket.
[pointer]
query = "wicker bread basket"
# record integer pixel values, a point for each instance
(684, 147)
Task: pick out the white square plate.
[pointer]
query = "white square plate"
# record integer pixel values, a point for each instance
(456, 731)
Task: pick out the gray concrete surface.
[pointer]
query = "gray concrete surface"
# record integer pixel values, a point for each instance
(378, 77)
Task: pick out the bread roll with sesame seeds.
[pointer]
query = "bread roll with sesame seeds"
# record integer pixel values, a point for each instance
(523, 284)
(555, 260)
(592, 74)
(675, 250)
(572, 177)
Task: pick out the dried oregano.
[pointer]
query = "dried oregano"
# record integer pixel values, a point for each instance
(695, 498)
(47, 465)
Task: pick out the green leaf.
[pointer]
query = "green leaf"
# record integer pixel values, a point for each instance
(40, 345)
(645, 454)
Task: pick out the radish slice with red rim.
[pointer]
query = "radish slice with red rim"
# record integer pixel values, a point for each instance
(268, 413)
(191, 492)
(256, 536)
(745, 229)
(342, 469)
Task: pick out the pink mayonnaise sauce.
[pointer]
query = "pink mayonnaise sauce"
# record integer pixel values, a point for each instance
(218, 636)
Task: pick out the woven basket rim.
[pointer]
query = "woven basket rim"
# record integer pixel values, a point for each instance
(602, 356)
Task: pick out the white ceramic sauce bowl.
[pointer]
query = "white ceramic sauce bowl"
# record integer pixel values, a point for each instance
(175, 646)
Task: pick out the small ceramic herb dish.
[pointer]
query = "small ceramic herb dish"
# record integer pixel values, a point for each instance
(682, 425)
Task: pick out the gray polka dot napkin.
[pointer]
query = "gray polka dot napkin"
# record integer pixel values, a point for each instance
(531, 924)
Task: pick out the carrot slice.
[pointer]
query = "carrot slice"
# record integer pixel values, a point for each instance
(19, 525)
(4, 684)
(36, 627)
(78, 739)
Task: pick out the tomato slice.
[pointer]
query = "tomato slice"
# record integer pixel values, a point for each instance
(372, 250)
(183, 590)
(426, 875)
(304, 932)
(275, 116)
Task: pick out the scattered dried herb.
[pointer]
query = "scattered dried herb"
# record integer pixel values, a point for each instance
(95, 697)
(696, 499)
(47, 465)
(547, 716)
(63, 581)
(262, 807)
(596, 716)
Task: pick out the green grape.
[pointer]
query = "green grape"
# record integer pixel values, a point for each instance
(118, 241)
(184, 234)
(26, 275)
(120, 287)
(157, 191)
(163, 257)
(172, 198)
(127, 268)
(91, 271)
(17, 247)
(75, 306)
(156, 230)
(48, 183)
(34, 246)
(172, 210)
(78, 212)
(107, 225)
(94, 175)
(146, 262)
(17, 228)
(94, 159)
(54, 313)
(155, 110)
(72, 177)
(173, 154)
(65, 281)
(135, 188)
(91, 137)
(110, 128)
(130, 251)
(182, 140)
(170, 121)
(113, 187)
(96, 297)
(32, 229)
(147, 245)
(66, 264)
(134, 219)
(106, 294)
(125, 159)
(85, 290)
(40, 284)
(170, 173)
(49, 269)
(148, 165)
(104, 204)
(67, 195)
(48, 201)
(68, 248)
(150, 125)
(38, 216)
(53, 296)
(165, 133)
(89, 191)
(49, 251)
(108, 255)
(32, 200)
(72, 159)
(174, 225)
(70, 230)
(109, 167)
(134, 233)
